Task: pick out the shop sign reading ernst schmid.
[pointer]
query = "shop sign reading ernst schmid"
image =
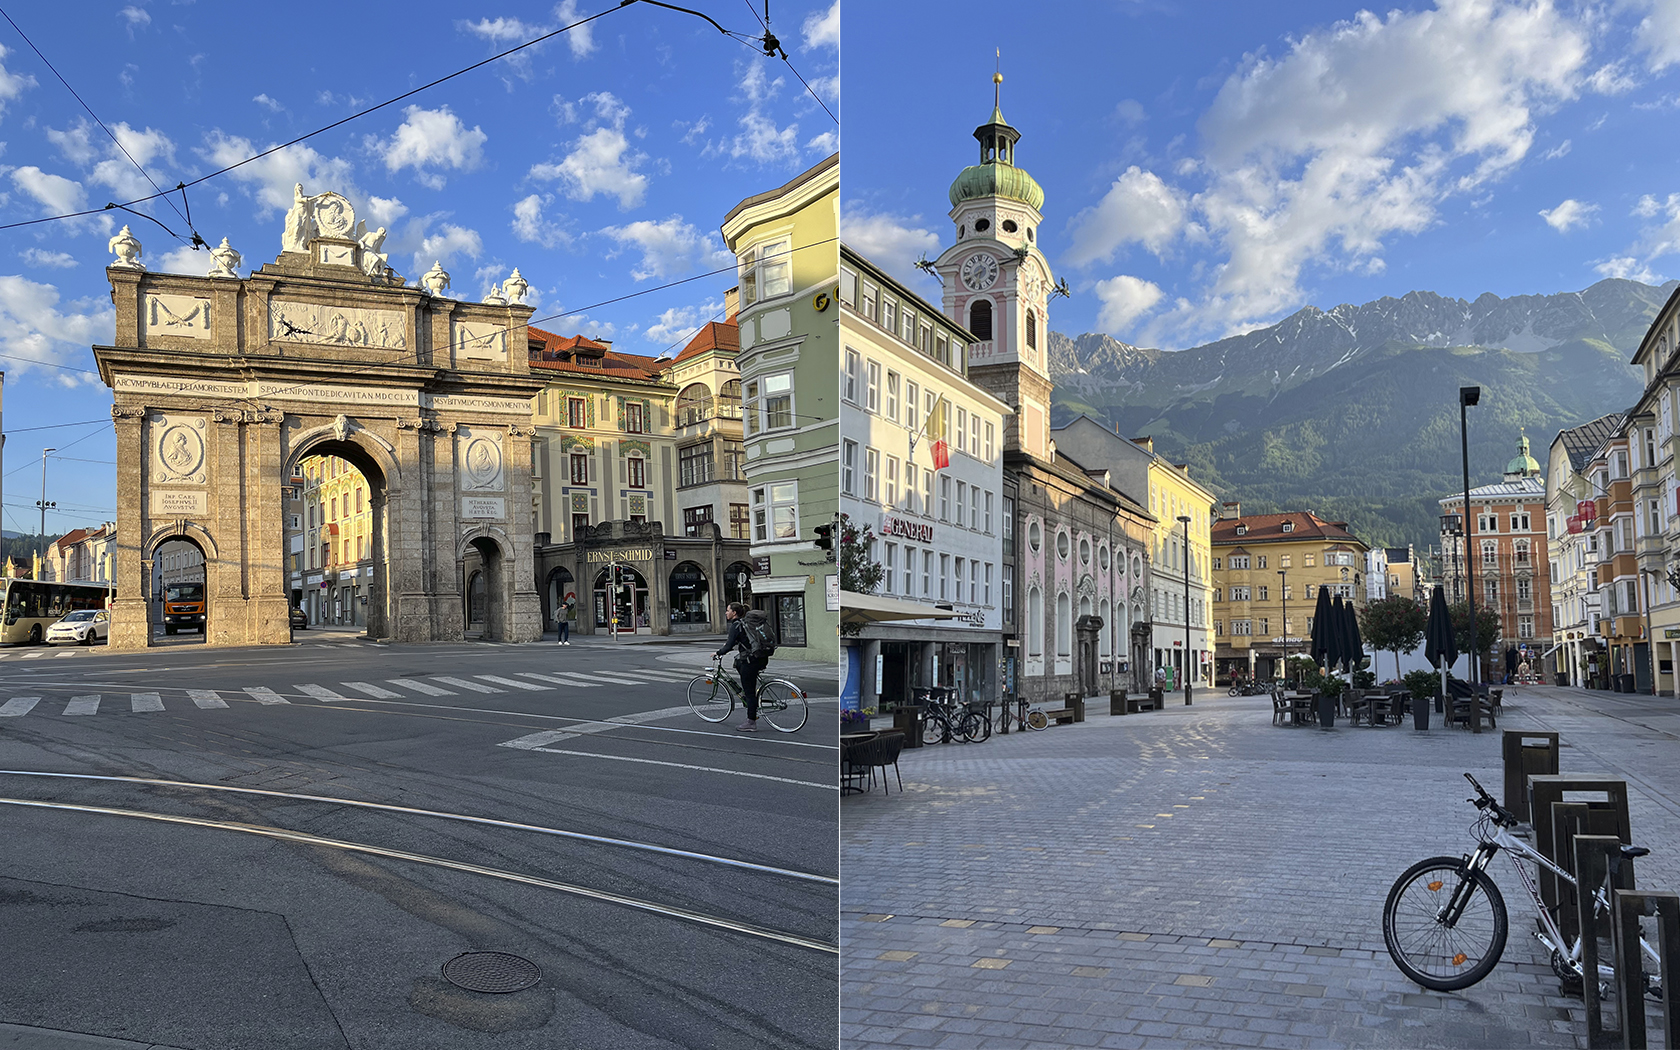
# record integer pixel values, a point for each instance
(921, 532)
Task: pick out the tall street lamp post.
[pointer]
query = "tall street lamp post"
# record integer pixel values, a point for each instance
(44, 505)
(1283, 592)
(1184, 519)
(1467, 397)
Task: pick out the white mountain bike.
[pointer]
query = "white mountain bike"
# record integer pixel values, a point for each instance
(713, 696)
(1445, 922)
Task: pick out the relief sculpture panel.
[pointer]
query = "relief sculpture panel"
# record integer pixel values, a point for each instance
(339, 325)
(182, 315)
(480, 457)
(178, 450)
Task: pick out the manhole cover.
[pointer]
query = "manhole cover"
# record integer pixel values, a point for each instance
(495, 972)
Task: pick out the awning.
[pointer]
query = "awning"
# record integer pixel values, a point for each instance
(1552, 650)
(872, 608)
(779, 584)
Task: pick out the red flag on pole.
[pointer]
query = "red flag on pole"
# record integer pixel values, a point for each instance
(941, 454)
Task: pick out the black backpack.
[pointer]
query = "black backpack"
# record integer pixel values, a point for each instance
(760, 636)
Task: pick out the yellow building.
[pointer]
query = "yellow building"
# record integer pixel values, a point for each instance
(1267, 569)
(336, 560)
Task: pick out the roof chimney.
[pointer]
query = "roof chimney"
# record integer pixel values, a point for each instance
(1229, 510)
(731, 303)
(1146, 443)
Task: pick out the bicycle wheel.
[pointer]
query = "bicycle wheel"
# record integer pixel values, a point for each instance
(711, 697)
(782, 704)
(1006, 718)
(1037, 719)
(985, 721)
(1429, 946)
(967, 727)
(935, 730)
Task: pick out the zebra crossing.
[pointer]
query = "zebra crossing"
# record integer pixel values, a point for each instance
(153, 701)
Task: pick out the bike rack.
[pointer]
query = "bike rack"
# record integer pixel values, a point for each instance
(1526, 754)
(1555, 818)
(1629, 965)
(1594, 857)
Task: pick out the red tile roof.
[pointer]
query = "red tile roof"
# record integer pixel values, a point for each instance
(713, 335)
(546, 350)
(1268, 528)
(70, 539)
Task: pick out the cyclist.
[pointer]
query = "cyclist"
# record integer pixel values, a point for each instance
(750, 630)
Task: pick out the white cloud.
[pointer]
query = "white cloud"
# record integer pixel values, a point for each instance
(11, 84)
(1628, 268)
(182, 259)
(54, 193)
(1355, 135)
(892, 242)
(384, 211)
(677, 325)
(135, 16)
(432, 138)
(601, 160)
(269, 181)
(1611, 79)
(822, 28)
(33, 328)
(669, 247)
(1129, 111)
(530, 226)
(1124, 299)
(583, 324)
(504, 31)
(1647, 206)
(267, 103)
(56, 260)
(1560, 150)
(1568, 215)
(824, 144)
(443, 246)
(1139, 208)
(1659, 237)
(761, 139)
(582, 39)
(75, 143)
(151, 149)
(1659, 34)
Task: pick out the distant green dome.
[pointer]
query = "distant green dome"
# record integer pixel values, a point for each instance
(996, 180)
(1524, 463)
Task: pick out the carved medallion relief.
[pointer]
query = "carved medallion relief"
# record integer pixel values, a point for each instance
(178, 450)
(479, 455)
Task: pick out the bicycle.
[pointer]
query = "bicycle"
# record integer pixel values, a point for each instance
(1445, 922)
(713, 697)
(1034, 718)
(943, 721)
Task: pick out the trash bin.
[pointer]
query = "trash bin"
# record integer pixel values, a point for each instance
(1624, 683)
(1116, 701)
(1420, 712)
(907, 719)
(1527, 755)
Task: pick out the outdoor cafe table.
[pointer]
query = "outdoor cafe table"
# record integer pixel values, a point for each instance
(1300, 708)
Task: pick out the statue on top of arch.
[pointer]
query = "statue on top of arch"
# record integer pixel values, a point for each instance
(304, 223)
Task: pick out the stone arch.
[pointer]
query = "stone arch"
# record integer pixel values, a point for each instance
(156, 588)
(486, 551)
(355, 444)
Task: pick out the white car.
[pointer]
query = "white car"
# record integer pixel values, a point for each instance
(83, 625)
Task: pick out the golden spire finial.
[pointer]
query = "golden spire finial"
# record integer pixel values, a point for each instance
(997, 79)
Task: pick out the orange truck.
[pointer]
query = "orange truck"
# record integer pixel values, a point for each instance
(183, 607)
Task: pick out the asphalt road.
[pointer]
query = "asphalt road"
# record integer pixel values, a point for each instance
(280, 917)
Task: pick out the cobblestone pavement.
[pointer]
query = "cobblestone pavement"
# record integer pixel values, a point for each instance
(1199, 877)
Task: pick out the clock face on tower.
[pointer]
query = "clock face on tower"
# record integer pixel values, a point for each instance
(979, 272)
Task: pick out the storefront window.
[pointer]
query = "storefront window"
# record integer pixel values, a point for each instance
(624, 597)
(790, 619)
(690, 597)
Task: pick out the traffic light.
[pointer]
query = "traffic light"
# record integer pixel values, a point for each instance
(825, 537)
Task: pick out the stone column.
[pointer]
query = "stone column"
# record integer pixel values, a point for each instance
(131, 610)
(524, 621)
(444, 577)
(267, 590)
(405, 510)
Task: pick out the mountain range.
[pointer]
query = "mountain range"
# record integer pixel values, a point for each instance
(1350, 412)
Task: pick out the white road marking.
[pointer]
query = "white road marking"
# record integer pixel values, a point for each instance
(421, 687)
(465, 684)
(686, 765)
(82, 705)
(321, 692)
(262, 694)
(31, 656)
(509, 682)
(206, 698)
(525, 743)
(18, 706)
(574, 683)
(143, 702)
(372, 690)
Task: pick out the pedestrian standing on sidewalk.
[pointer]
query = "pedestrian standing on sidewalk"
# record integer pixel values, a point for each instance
(565, 622)
(750, 630)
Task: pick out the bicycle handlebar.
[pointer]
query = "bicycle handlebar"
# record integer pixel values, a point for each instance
(1485, 801)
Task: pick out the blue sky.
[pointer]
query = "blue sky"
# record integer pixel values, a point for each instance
(600, 163)
(1210, 167)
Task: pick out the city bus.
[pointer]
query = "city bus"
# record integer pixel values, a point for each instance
(32, 606)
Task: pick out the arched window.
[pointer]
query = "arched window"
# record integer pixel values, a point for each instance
(1084, 606)
(729, 400)
(1032, 329)
(694, 404)
(1064, 625)
(1105, 637)
(1035, 622)
(980, 319)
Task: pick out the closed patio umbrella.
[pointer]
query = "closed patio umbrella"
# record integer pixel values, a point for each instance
(1355, 644)
(1440, 645)
(1338, 635)
(1321, 628)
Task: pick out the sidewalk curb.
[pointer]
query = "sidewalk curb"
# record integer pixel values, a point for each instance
(23, 1037)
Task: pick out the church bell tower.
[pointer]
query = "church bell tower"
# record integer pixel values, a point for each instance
(998, 283)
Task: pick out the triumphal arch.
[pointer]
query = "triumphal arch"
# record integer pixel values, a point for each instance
(223, 383)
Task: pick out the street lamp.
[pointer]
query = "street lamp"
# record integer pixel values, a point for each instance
(1467, 397)
(1283, 592)
(1184, 519)
(44, 505)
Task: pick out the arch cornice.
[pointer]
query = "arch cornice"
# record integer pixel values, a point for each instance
(182, 528)
(495, 533)
(382, 452)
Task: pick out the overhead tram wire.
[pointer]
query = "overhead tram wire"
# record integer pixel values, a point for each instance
(196, 241)
(770, 47)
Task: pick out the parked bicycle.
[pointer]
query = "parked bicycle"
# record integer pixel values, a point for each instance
(943, 720)
(1445, 922)
(1034, 718)
(713, 696)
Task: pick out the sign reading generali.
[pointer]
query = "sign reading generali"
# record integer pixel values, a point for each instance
(920, 531)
